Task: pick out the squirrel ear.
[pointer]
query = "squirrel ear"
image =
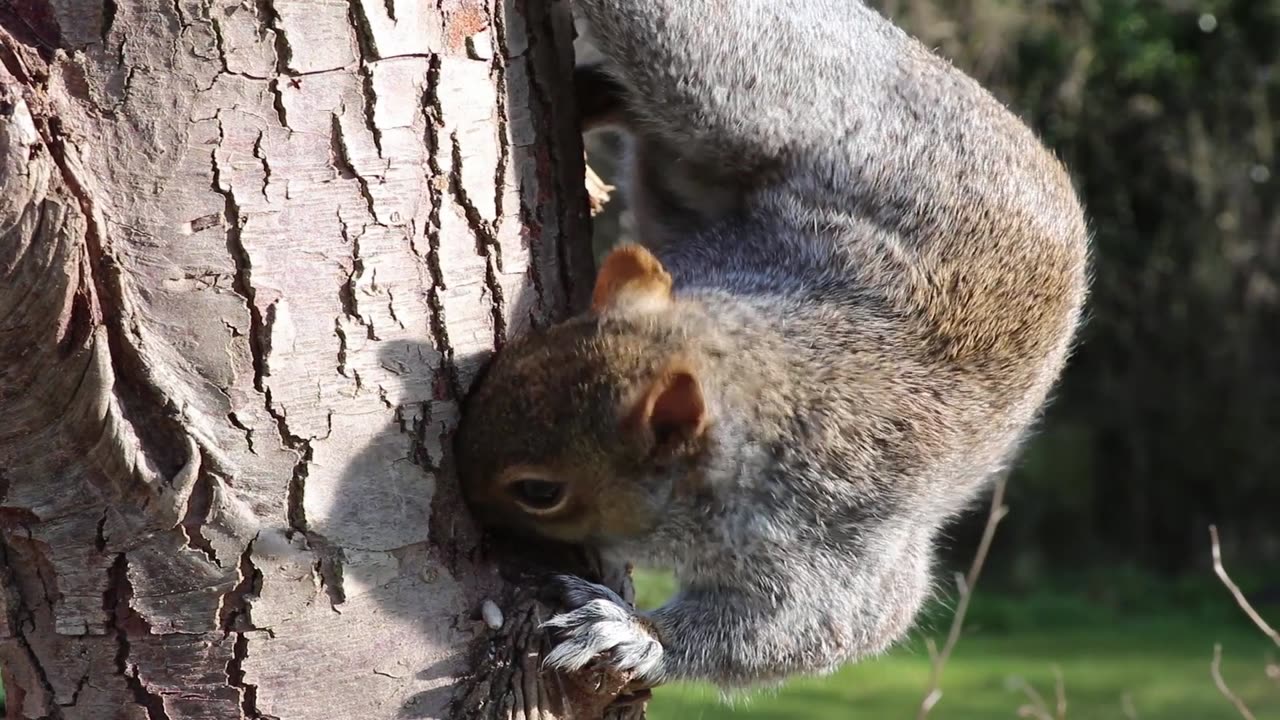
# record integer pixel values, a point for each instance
(672, 410)
(631, 278)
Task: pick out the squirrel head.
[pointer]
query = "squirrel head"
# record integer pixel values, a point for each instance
(586, 431)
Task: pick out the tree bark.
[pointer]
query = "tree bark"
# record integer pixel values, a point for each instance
(252, 254)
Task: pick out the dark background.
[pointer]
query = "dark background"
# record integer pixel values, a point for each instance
(1168, 418)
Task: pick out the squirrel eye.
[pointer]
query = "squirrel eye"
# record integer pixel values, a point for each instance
(537, 494)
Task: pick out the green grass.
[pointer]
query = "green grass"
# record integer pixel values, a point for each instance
(1160, 659)
(1153, 643)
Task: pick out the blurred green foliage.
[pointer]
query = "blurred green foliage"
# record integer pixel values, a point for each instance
(1160, 668)
(1139, 640)
(1066, 602)
(1168, 114)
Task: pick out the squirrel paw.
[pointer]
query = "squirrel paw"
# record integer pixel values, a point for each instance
(601, 626)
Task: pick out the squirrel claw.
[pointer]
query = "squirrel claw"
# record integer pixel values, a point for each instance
(601, 627)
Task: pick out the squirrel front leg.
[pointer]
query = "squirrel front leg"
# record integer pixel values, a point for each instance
(734, 638)
(727, 636)
(723, 636)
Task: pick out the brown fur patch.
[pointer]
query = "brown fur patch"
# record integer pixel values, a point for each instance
(630, 274)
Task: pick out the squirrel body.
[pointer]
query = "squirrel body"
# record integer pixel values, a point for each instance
(858, 279)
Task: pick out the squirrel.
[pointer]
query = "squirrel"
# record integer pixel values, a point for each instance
(858, 279)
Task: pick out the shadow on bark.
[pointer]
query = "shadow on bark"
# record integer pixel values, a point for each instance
(506, 678)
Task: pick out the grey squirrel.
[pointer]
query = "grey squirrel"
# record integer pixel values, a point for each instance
(858, 279)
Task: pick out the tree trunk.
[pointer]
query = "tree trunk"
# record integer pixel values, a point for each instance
(252, 253)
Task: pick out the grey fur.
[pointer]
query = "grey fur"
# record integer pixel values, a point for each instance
(878, 274)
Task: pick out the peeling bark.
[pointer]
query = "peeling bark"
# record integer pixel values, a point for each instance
(252, 254)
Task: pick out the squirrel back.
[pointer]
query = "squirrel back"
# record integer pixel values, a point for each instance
(859, 279)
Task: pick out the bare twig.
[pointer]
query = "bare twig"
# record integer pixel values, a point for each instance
(1215, 669)
(964, 585)
(1060, 690)
(1031, 711)
(1128, 708)
(1036, 708)
(1235, 589)
(932, 647)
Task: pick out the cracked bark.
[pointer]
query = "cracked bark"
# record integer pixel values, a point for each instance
(251, 256)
